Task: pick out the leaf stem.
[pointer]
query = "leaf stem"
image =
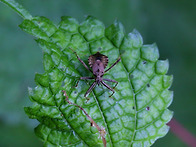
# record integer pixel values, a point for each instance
(18, 8)
(93, 123)
(182, 133)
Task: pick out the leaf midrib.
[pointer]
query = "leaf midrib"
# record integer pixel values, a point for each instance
(134, 99)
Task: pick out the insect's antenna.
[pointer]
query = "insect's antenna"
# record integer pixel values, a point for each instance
(107, 86)
(90, 88)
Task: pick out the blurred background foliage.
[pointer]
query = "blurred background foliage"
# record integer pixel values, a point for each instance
(169, 23)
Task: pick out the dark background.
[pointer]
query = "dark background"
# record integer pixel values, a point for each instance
(169, 23)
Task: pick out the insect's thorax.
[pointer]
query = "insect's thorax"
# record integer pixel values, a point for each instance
(98, 68)
(98, 63)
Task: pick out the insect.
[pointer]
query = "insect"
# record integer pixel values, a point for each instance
(98, 63)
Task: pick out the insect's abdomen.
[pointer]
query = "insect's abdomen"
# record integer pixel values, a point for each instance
(98, 57)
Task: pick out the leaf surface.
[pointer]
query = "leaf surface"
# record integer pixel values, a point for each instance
(137, 113)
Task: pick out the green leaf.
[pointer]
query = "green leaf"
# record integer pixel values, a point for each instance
(137, 113)
(18, 8)
(115, 33)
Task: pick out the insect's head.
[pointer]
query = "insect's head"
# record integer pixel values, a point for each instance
(98, 73)
(98, 79)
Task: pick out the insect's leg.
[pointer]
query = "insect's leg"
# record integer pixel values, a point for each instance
(113, 64)
(81, 61)
(83, 78)
(90, 88)
(109, 80)
(77, 83)
(86, 78)
(107, 86)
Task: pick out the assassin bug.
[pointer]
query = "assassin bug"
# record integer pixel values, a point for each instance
(98, 63)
